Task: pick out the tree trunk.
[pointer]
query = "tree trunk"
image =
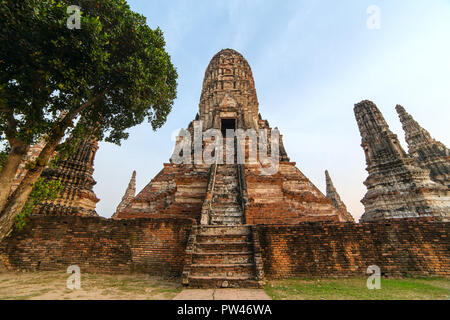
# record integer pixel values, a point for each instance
(20, 196)
(16, 202)
(9, 171)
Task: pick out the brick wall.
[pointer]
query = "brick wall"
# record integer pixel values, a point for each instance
(157, 246)
(284, 213)
(399, 248)
(151, 245)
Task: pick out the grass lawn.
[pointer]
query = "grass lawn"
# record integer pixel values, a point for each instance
(356, 289)
(52, 286)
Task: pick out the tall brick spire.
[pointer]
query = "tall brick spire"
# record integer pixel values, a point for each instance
(75, 173)
(129, 194)
(428, 152)
(229, 91)
(333, 195)
(397, 186)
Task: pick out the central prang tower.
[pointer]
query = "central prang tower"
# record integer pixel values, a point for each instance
(229, 96)
(232, 194)
(226, 199)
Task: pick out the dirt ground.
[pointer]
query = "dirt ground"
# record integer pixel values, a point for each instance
(52, 286)
(222, 294)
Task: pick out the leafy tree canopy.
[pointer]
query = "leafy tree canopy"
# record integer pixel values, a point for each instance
(108, 76)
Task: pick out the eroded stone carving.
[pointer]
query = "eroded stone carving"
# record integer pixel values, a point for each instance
(429, 153)
(396, 186)
(75, 173)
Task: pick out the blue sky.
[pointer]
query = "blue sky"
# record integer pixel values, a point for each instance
(312, 60)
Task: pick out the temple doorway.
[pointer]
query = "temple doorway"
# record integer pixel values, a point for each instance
(229, 124)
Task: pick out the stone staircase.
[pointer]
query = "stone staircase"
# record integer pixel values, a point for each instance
(223, 257)
(226, 208)
(223, 252)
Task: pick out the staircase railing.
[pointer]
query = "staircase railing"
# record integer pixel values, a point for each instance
(241, 179)
(207, 204)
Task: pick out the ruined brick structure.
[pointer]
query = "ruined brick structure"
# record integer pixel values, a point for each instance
(429, 153)
(157, 246)
(129, 195)
(98, 245)
(400, 247)
(32, 154)
(335, 198)
(229, 101)
(397, 186)
(230, 224)
(224, 195)
(75, 173)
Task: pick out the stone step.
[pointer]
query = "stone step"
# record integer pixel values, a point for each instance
(226, 207)
(229, 175)
(233, 211)
(218, 247)
(225, 167)
(226, 177)
(219, 219)
(222, 258)
(227, 198)
(221, 230)
(224, 282)
(225, 217)
(227, 214)
(225, 191)
(223, 270)
(226, 188)
(227, 221)
(226, 204)
(231, 169)
(224, 238)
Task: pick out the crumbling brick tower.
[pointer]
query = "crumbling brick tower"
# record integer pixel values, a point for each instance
(129, 195)
(397, 186)
(75, 173)
(429, 153)
(335, 198)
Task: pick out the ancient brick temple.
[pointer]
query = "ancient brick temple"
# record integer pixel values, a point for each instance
(398, 185)
(232, 193)
(217, 221)
(75, 173)
(226, 197)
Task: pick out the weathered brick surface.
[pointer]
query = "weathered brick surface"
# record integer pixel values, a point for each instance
(403, 247)
(150, 245)
(286, 196)
(399, 248)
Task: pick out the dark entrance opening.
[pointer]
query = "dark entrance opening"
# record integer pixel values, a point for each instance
(229, 124)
